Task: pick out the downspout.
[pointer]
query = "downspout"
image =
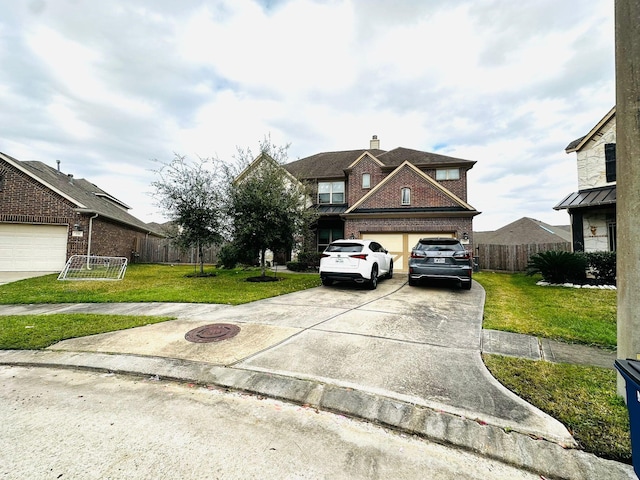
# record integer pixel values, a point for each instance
(89, 239)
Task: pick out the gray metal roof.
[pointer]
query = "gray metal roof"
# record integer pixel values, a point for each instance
(589, 198)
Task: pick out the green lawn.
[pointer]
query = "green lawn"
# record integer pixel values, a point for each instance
(515, 303)
(583, 398)
(157, 283)
(32, 332)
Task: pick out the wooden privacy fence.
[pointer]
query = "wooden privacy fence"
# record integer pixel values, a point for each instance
(161, 250)
(513, 258)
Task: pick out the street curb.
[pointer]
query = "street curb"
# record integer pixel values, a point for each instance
(537, 455)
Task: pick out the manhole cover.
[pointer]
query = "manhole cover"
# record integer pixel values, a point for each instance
(212, 333)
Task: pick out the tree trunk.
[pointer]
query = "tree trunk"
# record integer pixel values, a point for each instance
(201, 254)
(263, 262)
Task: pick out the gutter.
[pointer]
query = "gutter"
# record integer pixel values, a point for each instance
(89, 239)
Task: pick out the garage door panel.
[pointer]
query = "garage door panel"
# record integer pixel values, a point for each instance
(400, 244)
(36, 248)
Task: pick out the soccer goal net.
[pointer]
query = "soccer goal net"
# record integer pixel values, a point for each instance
(83, 267)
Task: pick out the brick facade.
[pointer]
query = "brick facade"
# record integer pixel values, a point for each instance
(24, 200)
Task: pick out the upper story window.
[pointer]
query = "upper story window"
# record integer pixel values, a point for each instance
(610, 161)
(1, 181)
(406, 196)
(366, 180)
(448, 174)
(331, 192)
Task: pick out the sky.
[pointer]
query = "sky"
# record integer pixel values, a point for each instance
(114, 89)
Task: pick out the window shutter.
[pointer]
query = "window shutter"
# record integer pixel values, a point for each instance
(610, 161)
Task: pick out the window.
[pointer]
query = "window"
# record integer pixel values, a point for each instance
(611, 230)
(1, 181)
(448, 174)
(406, 196)
(610, 161)
(366, 180)
(330, 192)
(328, 235)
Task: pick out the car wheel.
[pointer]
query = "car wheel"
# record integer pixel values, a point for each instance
(373, 282)
(327, 282)
(390, 272)
(466, 285)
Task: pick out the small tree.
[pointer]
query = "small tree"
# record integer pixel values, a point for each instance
(268, 206)
(192, 194)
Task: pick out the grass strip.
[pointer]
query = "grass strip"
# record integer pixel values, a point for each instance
(514, 303)
(33, 332)
(583, 398)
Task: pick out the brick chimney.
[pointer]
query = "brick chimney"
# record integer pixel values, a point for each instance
(374, 143)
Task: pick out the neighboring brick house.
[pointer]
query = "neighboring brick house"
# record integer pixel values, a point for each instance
(394, 197)
(46, 216)
(592, 209)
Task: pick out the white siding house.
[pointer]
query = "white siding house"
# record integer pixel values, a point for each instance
(593, 207)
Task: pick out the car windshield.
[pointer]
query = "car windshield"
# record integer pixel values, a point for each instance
(439, 246)
(344, 247)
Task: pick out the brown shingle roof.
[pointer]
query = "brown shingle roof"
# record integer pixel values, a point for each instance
(87, 196)
(333, 164)
(524, 231)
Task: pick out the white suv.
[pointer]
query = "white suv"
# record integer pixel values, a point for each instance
(360, 261)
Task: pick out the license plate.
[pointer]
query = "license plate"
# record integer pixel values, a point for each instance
(439, 260)
(339, 260)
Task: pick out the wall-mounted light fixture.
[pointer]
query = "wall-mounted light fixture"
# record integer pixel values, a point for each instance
(465, 236)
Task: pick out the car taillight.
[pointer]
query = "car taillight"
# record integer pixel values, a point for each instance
(417, 255)
(361, 256)
(325, 255)
(465, 255)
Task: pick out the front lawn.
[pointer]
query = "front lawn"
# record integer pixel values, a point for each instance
(157, 283)
(514, 303)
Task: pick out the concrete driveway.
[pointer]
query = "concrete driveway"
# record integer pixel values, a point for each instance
(9, 277)
(420, 345)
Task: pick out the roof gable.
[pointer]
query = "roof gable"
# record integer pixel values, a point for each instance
(577, 144)
(440, 190)
(366, 155)
(86, 196)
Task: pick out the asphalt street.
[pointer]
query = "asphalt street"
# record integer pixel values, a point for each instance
(65, 424)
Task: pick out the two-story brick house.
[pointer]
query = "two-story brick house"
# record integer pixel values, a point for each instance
(592, 208)
(394, 197)
(46, 216)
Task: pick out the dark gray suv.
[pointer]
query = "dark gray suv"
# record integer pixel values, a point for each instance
(440, 258)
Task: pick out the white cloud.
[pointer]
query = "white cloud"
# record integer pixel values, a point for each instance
(106, 87)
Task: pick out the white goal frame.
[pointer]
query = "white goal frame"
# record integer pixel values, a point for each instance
(92, 267)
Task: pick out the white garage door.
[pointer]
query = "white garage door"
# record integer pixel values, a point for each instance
(32, 248)
(400, 244)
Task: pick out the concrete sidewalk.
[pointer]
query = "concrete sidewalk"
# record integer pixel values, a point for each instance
(404, 357)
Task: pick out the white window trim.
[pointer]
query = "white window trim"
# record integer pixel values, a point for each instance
(368, 177)
(331, 192)
(402, 196)
(448, 173)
